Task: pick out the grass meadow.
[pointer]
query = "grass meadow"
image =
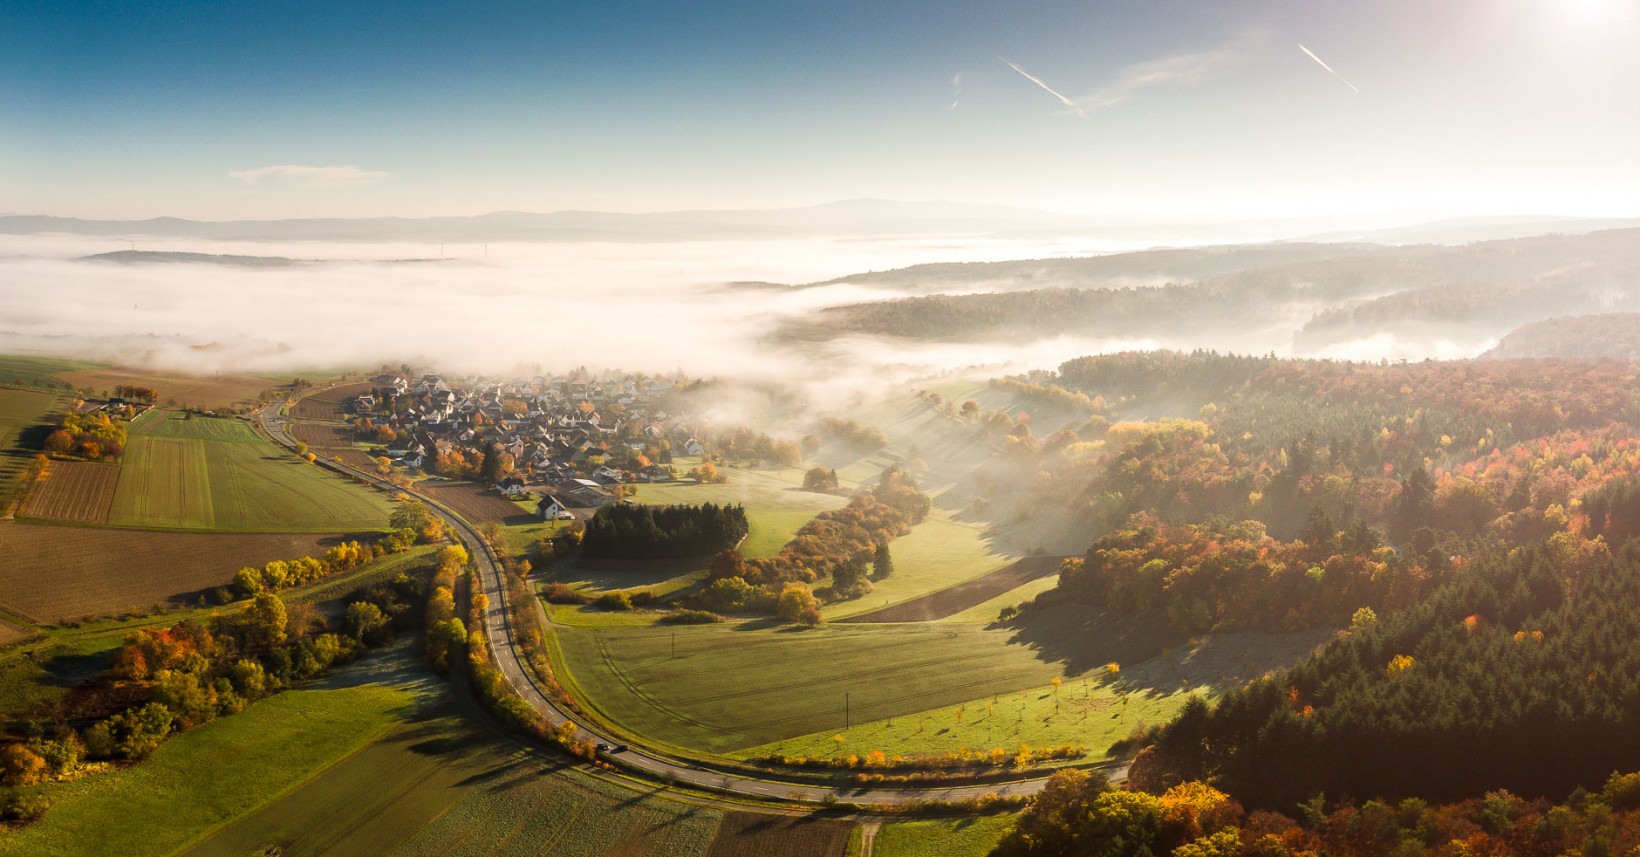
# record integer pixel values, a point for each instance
(942, 837)
(742, 688)
(202, 780)
(39, 372)
(1085, 712)
(936, 554)
(380, 758)
(19, 410)
(731, 687)
(776, 504)
(217, 474)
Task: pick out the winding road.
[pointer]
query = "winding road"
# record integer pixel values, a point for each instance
(643, 760)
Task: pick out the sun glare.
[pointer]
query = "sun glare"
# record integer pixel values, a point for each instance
(1596, 10)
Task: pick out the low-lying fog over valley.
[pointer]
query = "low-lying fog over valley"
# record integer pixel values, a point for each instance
(836, 312)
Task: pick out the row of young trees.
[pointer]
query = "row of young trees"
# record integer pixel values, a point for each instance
(632, 531)
(137, 393)
(281, 574)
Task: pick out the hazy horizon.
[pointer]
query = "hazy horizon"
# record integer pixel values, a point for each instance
(1143, 110)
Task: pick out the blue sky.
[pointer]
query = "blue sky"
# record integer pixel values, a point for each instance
(1178, 108)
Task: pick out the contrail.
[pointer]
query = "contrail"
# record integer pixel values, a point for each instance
(1329, 68)
(1050, 90)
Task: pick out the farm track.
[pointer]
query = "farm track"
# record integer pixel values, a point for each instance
(955, 599)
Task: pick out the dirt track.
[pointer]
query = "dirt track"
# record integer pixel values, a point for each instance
(949, 602)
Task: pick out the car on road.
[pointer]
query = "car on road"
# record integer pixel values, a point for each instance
(563, 516)
(611, 748)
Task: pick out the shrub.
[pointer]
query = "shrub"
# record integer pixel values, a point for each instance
(615, 601)
(558, 593)
(691, 617)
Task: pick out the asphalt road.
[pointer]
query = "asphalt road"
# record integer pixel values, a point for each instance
(498, 630)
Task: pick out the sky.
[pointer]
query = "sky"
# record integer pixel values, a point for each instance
(1152, 109)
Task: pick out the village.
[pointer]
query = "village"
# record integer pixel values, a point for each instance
(574, 443)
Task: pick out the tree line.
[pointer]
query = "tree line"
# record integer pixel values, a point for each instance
(1078, 813)
(1522, 673)
(634, 531)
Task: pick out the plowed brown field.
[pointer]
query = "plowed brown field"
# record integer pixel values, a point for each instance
(78, 491)
(49, 573)
(477, 504)
(328, 405)
(322, 435)
(748, 834)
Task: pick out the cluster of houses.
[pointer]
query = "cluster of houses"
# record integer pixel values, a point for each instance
(570, 441)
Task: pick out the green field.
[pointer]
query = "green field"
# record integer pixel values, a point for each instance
(659, 576)
(438, 785)
(986, 612)
(38, 372)
(944, 837)
(936, 554)
(1084, 712)
(528, 807)
(730, 688)
(379, 758)
(20, 409)
(776, 504)
(217, 474)
(210, 776)
(733, 687)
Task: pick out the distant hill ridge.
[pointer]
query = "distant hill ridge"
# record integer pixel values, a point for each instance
(864, 217)
(1615, 335)
(156, 257)
(129, 257)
